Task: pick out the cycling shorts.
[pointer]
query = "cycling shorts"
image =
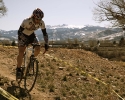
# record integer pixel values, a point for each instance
(25, 40)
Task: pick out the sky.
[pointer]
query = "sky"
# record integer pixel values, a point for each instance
(56, 12)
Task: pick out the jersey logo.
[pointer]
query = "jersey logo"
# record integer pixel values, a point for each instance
(40, 24)
(30, 23)
(31, 28)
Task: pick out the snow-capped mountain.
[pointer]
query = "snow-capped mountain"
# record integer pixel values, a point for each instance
(64, 32)
(65, 26)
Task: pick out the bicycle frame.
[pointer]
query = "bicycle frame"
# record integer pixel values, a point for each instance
(26, 57)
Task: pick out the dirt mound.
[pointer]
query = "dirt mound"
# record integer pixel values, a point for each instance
(66, 74)
(7, 80)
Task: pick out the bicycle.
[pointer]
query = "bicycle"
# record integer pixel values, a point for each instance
(29, 69)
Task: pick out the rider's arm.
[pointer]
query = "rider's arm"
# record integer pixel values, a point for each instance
(20, 30)
(45, 36)
(43, 29)
(22, 27)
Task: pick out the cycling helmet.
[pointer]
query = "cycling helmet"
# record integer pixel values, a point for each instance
(38, 13)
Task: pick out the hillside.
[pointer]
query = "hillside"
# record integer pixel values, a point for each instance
(67, 74)
(65, 32)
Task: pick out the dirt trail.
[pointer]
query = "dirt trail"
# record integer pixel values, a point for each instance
(7, 69)
(71, 77)
(35, 94)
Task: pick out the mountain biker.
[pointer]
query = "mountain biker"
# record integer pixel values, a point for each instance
(27, 36)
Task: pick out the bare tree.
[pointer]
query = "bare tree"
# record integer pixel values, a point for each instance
(110, 10)
(3, 8)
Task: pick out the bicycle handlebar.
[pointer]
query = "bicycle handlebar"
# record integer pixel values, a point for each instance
(34, 44)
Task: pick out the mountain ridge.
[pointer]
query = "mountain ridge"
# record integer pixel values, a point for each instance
(64, 32)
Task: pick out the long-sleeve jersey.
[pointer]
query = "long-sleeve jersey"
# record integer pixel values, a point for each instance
(29, 26)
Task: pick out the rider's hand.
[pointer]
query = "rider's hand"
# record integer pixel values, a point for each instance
(46, 47)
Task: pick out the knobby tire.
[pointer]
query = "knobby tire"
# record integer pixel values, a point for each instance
(31, 75)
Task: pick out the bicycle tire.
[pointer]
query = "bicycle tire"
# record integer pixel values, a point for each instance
(31, 75)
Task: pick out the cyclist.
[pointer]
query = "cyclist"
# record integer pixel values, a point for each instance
(27, 36)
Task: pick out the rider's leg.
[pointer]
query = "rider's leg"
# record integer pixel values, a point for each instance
(35, 40)
(37, 51)
(20, 56)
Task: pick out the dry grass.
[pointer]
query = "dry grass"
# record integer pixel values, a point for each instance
(70, 82)
(65, 74)
(112, 53)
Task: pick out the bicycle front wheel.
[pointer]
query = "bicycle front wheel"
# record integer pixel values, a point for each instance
(31, 75)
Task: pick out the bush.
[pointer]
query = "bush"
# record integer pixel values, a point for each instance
(13, 43)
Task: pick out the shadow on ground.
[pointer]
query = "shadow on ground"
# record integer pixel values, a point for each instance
(16, 91)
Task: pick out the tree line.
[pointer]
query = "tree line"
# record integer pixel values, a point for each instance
(3, 8)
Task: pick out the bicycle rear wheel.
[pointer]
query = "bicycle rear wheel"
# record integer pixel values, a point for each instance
(31, 75)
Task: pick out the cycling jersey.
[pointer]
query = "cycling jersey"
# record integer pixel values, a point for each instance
(29, 26)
